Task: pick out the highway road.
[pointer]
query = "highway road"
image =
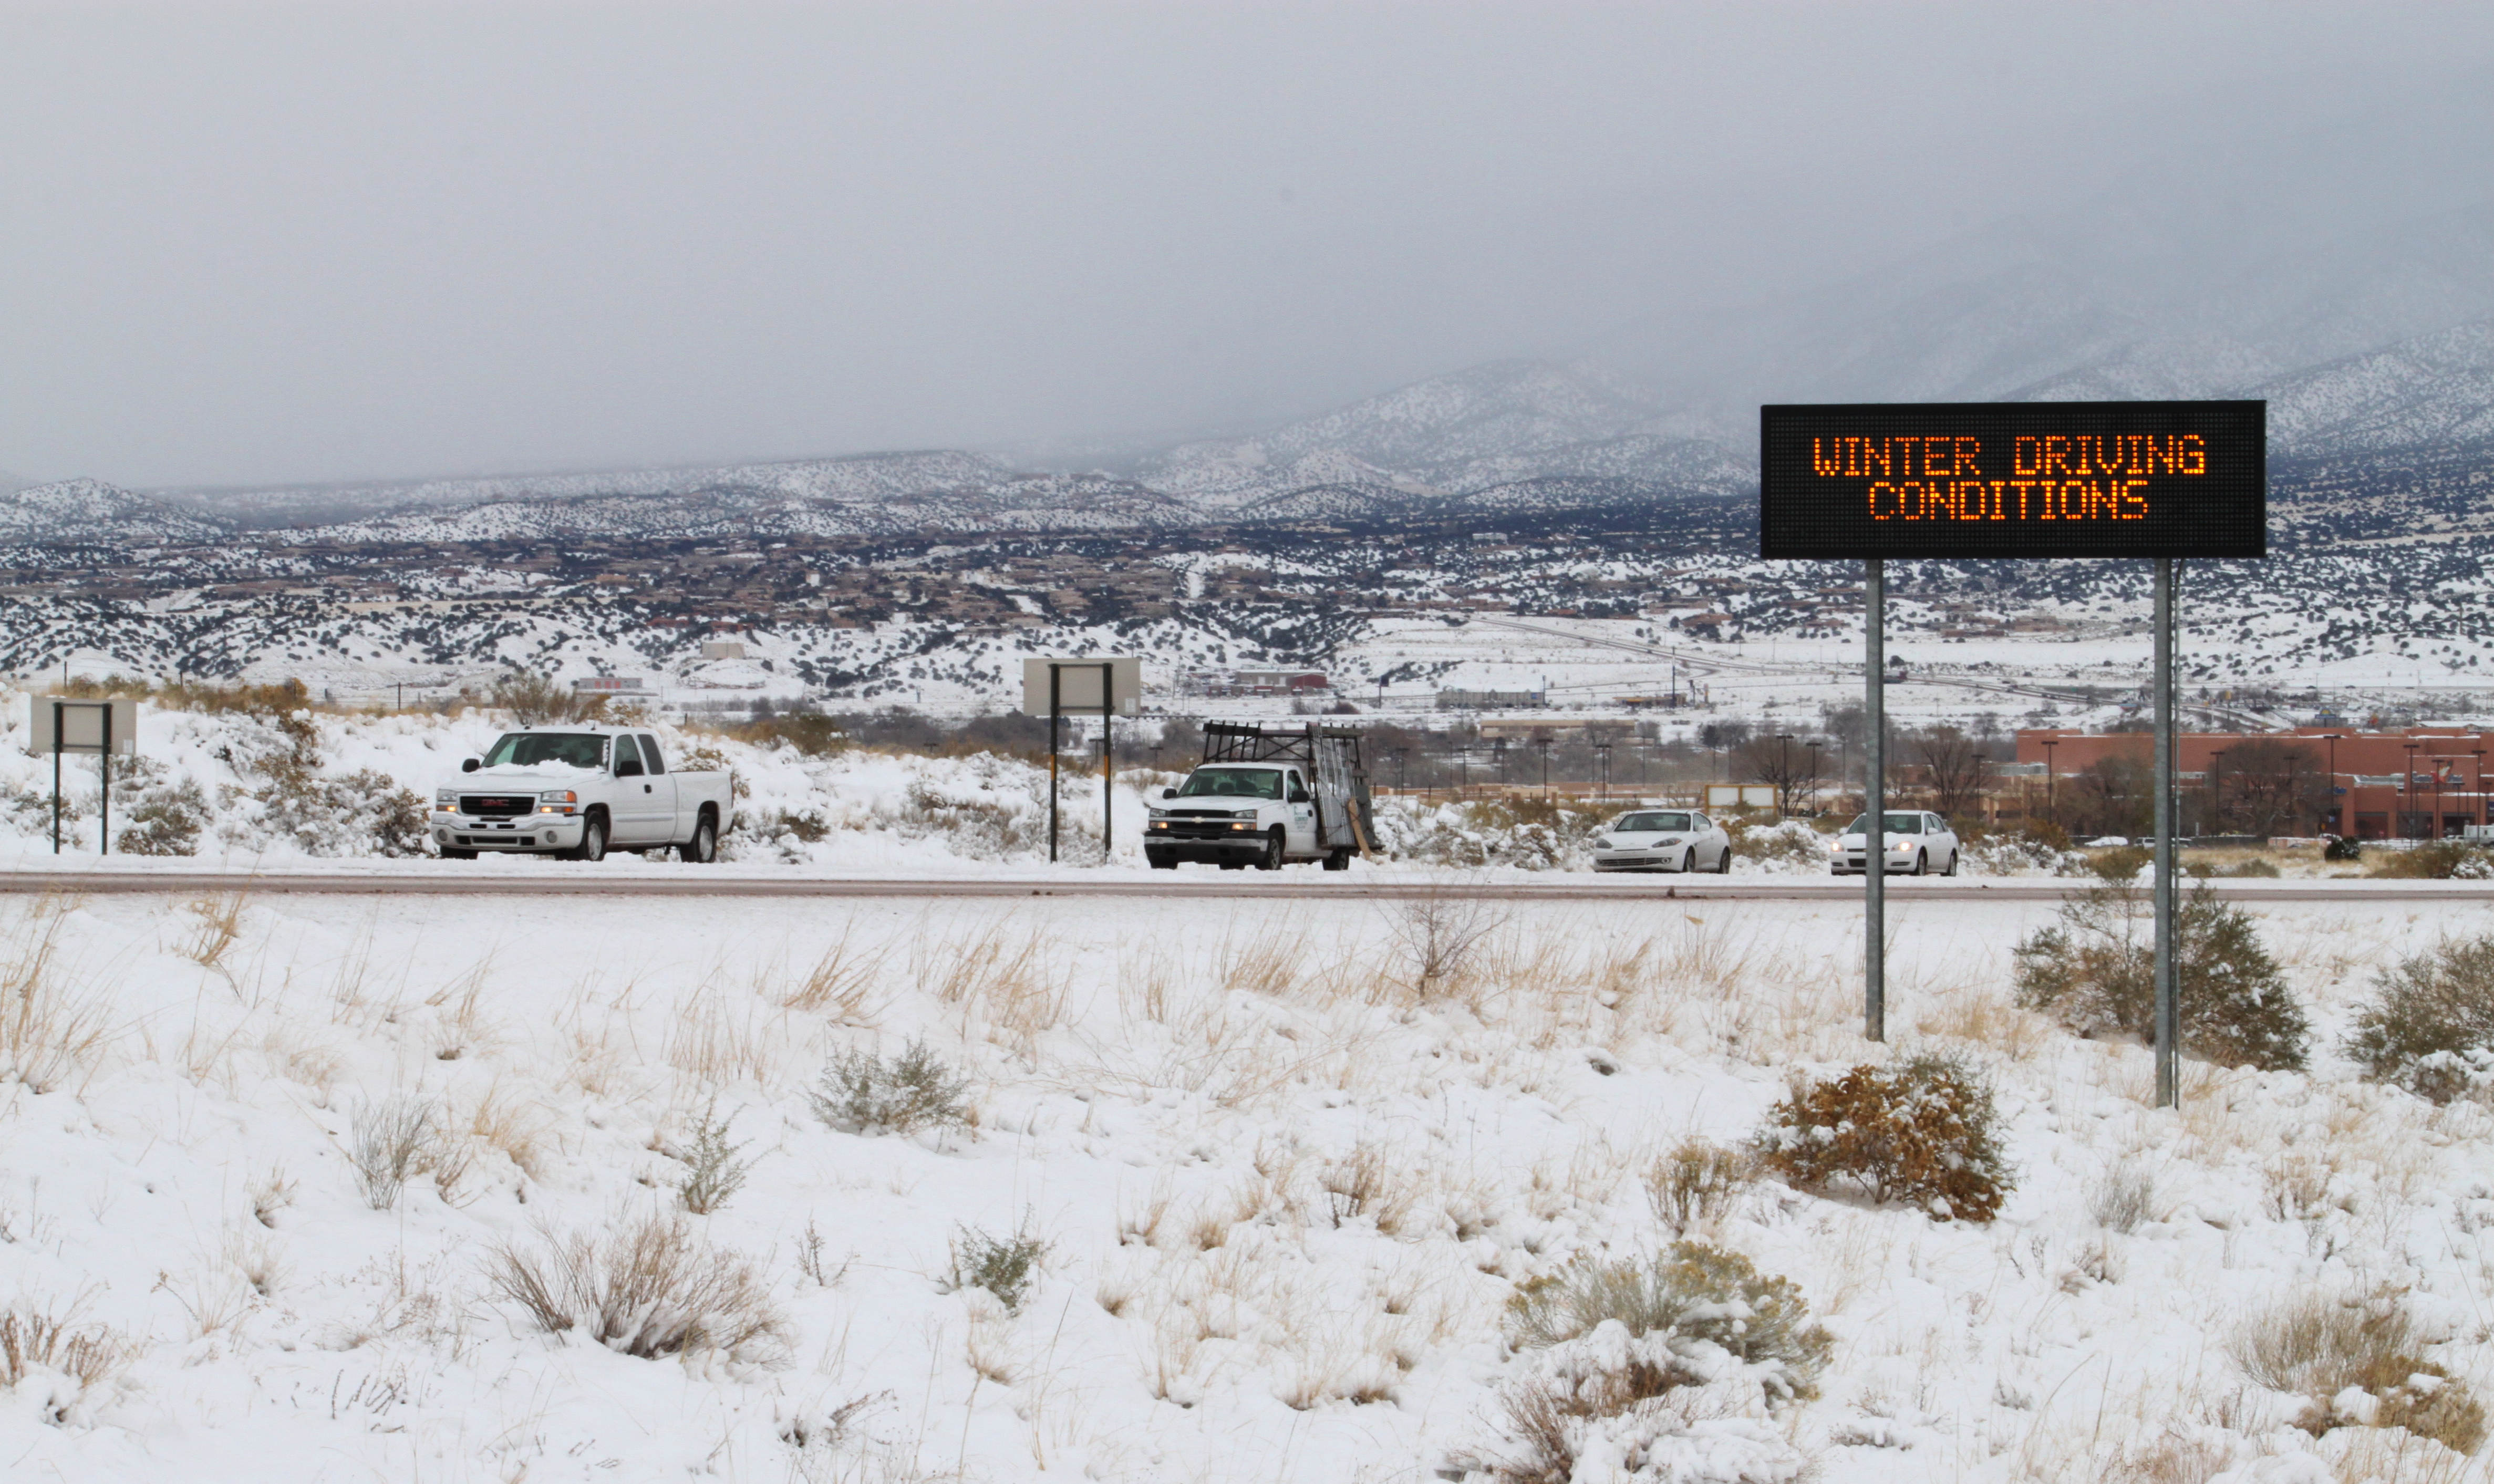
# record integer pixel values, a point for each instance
(646, 880)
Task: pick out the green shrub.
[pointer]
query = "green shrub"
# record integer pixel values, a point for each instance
(2095, 972)
(1004, 1266)
(863, 1093)
(2120, 863)
(2431, 1027)
(1923, 1130)
(2341, 847)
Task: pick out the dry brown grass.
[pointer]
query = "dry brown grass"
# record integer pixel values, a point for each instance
(35, 1340)
(1697, 1182)
(218, 928)
(645, 1286)
(48, 1032)
(841, 983)
(720, 1045)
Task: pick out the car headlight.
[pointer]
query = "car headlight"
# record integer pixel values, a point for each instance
(1605, 842)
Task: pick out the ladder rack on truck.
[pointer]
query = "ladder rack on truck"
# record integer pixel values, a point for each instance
(1346, 819)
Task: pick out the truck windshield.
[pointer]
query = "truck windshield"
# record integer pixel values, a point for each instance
(527, 749)
(1233, 783)
(1635, 824)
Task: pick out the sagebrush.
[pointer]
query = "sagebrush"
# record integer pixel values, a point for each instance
(2430, 1026)
(2094, 971)
(1923, 1130)
(1005, 1267)
(863, 1093)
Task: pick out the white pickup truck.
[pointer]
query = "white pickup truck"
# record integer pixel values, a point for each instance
(578, 791)
(1266, 795)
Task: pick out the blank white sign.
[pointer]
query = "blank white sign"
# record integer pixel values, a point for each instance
(1078, 685)
(81, 725)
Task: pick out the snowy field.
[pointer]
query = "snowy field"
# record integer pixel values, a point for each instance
(1277, 1188)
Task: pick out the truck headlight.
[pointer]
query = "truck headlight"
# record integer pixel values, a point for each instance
(446, 798)
(559, 796)
(1159, 813)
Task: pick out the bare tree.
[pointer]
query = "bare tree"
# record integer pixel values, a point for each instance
(1783, 761)
(1954, 765)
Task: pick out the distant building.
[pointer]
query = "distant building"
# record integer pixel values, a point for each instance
(1492, 700)
(611, 685)
(721, 649)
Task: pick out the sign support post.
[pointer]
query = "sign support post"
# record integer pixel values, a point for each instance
(58, 710)
(1874, 803)
(2169, 999)
(1108, 754)
(1055, 744)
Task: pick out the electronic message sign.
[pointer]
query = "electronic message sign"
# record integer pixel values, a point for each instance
(2014, 480)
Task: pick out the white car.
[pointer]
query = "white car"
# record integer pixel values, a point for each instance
(1918, 844)
(1662, 840)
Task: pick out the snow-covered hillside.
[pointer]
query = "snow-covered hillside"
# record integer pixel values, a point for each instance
(1227, 1194)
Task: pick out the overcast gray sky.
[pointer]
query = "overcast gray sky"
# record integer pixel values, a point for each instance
(259, 244)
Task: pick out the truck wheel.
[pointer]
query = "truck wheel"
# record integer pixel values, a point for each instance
(1272, 858)
(1161, 860)
(1337, 860)
(703, 848)
(593, 840)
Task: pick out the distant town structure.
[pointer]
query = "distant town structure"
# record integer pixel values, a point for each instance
(1222, 684)
(1491, 700)
(611, 685)
(723, 649)
(2420, 783)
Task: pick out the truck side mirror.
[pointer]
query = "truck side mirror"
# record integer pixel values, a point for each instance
(1169, 793)
(470, 764)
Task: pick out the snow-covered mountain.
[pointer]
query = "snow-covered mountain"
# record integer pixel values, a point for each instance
(89, 511)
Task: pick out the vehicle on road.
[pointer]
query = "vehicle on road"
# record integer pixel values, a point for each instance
(1662, 840)
(578, 792)
(1264, 796)
(1918, 843)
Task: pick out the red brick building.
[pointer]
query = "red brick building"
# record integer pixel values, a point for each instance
(2422, 782)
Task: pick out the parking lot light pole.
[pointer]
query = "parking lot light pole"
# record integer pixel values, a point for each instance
(2337, 817)
(2407, 792)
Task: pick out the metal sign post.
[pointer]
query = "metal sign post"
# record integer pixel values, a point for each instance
(1874, 803)
(1055, 744)
(2169, 998)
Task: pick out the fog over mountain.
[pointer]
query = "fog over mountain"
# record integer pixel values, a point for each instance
(268, 248)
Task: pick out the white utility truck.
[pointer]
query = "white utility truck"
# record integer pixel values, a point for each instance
(1266, 795)
(578, 791)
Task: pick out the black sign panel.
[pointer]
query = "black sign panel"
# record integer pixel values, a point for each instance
(2014, 480)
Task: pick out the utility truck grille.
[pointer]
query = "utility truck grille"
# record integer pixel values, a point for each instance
(1199, 813)
(497, 805)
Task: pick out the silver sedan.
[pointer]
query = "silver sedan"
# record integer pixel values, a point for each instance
(1662, 840)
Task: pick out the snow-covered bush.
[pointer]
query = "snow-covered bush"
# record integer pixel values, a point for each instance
(2431, 1027)
(2355, 1362)
(1654, 1370)
(2095, 972)
(1004, 1266)
(1783, 847)
(1523, 833)
(1923, 1130)
(646, 1287)
(167, 819)
(863, 1093)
